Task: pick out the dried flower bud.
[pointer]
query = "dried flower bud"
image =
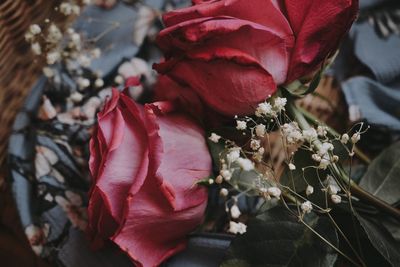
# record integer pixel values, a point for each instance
(255, 144)
(214, 138)
(235, 212)
(345, 139)
(219, 179)
(224, 192)
(355, 138)
(241, 125)
(292, 167)
(237, 228)
(309, 190)
(35, 29)
(336, 199)
(274, 192)
(306, 207)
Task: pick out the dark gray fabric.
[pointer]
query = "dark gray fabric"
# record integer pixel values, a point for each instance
(381, 56)
(378, 103)
(368, 67)
(121, 37)
(371, 3)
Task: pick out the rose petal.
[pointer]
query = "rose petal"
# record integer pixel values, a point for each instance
(264, 12)
(125, 163)
(319, 26)
(169, 204)
(262, 43)
(219, 83)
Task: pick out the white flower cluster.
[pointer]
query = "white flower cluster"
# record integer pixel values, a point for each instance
(292, 133)
(68, 9)
(237, 228)
(324, 155)
(271, 110)
(68, 47)
(271, 192)
(333, 189)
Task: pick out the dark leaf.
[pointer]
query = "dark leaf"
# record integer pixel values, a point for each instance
(298, 89)
(302, 158)
(382, 176)
(276, 238)
(381, 239)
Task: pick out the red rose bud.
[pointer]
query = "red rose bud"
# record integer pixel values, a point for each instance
(145, 162)
(234, 53)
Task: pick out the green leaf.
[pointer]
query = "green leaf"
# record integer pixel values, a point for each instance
(381, 239)
(298, 89)
(276, 238)
(382, 177)
(215, 150)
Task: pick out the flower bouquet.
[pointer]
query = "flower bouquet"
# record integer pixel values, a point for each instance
(226, 94)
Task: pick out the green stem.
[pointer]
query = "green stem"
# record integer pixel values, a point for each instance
(357, 191)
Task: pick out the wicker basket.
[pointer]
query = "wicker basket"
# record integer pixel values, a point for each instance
(18, 67)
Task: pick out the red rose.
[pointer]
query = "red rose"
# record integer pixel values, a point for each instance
(145, 162)
(234, 53)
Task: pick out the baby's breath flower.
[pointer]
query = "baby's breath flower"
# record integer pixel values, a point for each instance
(336, 199)
(35, 29)
(54, 35)
(233, 155)
(258, 157)
(292, 167)
(99, 83)
(118, 79)
(96, 53)
(76, 39)
(274, 192)
(292, 133)
(237, 228)
(84, 61)
(83, 82)
(76, 9)
(210, 181)
(255, 144)
(309, 190)
(264, 109)
(321, 130)
(260, 130)
(214, 138)
(66, 8)
(325, 148)
(345, 139)
(219, 179)
(279, 104)
(76, 97)
(224, 192)
(29, 37)
(333, 189)
(324, 163)
(52, 57)
(310, 134)
(226, 174)
(316, 157)
(355, 138)
(241, 125)
(245, 164)
(37, 50)
(235, 212)
(306, 207)
(48, 72)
